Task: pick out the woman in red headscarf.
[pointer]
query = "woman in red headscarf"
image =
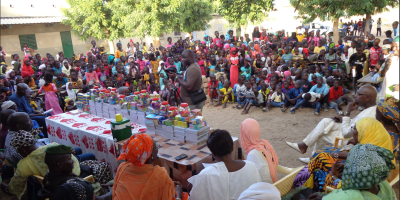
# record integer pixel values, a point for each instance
(138, 177)
(234, 63)
(26, 67)
(257, 50)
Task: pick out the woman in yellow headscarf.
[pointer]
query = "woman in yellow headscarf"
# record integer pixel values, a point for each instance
(138, 178)
(387, 112)
(316, 175)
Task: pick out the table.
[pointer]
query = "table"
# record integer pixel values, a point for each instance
(197, 155)
(93, 135)
(90, 133)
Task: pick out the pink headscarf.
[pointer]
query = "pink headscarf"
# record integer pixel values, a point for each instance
(250, 139)
(287, 73)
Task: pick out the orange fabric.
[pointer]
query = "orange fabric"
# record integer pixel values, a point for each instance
(143, 183)
(250, 139)
(257, 50)
(26, 68)
(49, 88)
(137, 149)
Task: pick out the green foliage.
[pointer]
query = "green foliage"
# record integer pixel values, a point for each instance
(195, 15)
(326, 10)
(240, 12)
(371, 6)
(93, 18)
(113, 19)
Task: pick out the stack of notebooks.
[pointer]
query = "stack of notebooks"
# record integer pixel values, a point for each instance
(197, 137)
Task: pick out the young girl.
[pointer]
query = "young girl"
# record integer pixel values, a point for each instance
(213, 63)
(50, 95)
(91, 76)
(102, 75)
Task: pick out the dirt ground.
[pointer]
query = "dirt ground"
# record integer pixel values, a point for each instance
(276, 127)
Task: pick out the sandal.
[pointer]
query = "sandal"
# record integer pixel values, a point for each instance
(224, 106)
(283, 109)
(265, 110)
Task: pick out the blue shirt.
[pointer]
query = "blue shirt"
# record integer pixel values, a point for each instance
(294, 93)
(22, 103)
(322, 90)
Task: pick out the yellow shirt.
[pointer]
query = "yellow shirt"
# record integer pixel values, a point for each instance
(318, 49)
(34, 164)
(223, 91)
(300, 37)
(277, 98)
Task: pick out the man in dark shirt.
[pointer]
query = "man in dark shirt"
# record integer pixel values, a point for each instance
(292, 39)
(23, 105)
(358, 59)
(305, 84)
(192, 79)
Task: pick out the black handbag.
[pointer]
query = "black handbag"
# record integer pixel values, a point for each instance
(197, 96)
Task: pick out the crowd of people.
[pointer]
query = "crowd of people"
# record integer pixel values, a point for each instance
(267, 70)
(358, 27)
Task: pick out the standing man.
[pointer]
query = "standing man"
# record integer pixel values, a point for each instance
(191, 80)
(371, 21)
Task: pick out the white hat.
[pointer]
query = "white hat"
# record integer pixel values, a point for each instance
(187, 35)
(42, 66)
(6, 105)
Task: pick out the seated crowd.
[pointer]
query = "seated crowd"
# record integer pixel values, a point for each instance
(269, 70)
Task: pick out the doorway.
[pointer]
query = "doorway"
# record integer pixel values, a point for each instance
(66, 41)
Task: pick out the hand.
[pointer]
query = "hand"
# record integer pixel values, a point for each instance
(178, 188)
(339, 118)
(313, 103)
(315, 196)
(352, 106)
(352, 141)
(337, 167)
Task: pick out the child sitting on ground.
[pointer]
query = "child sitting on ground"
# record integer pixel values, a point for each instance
(277, 99)
(239, 87)
(253, 99)
(335, 96)
(212, 88)
(294, 96)
(285, 87)
(265, 93)
(221, 80)
(243, 92)
(225, 95)
(322, 89)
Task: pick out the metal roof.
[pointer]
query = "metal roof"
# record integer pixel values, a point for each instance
(29, 20)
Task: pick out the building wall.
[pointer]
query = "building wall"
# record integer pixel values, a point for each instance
(48, 39)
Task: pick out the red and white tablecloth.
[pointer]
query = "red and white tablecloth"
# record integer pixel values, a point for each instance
(90, 133)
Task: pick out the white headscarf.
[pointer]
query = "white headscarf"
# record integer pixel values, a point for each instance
(261, 191)
(42, 66)
(8, 73)
(6, 105)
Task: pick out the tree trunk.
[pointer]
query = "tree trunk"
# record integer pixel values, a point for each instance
(157, 43)
(336, 31)
(111, 46)
(367, 20)
(242, 30)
